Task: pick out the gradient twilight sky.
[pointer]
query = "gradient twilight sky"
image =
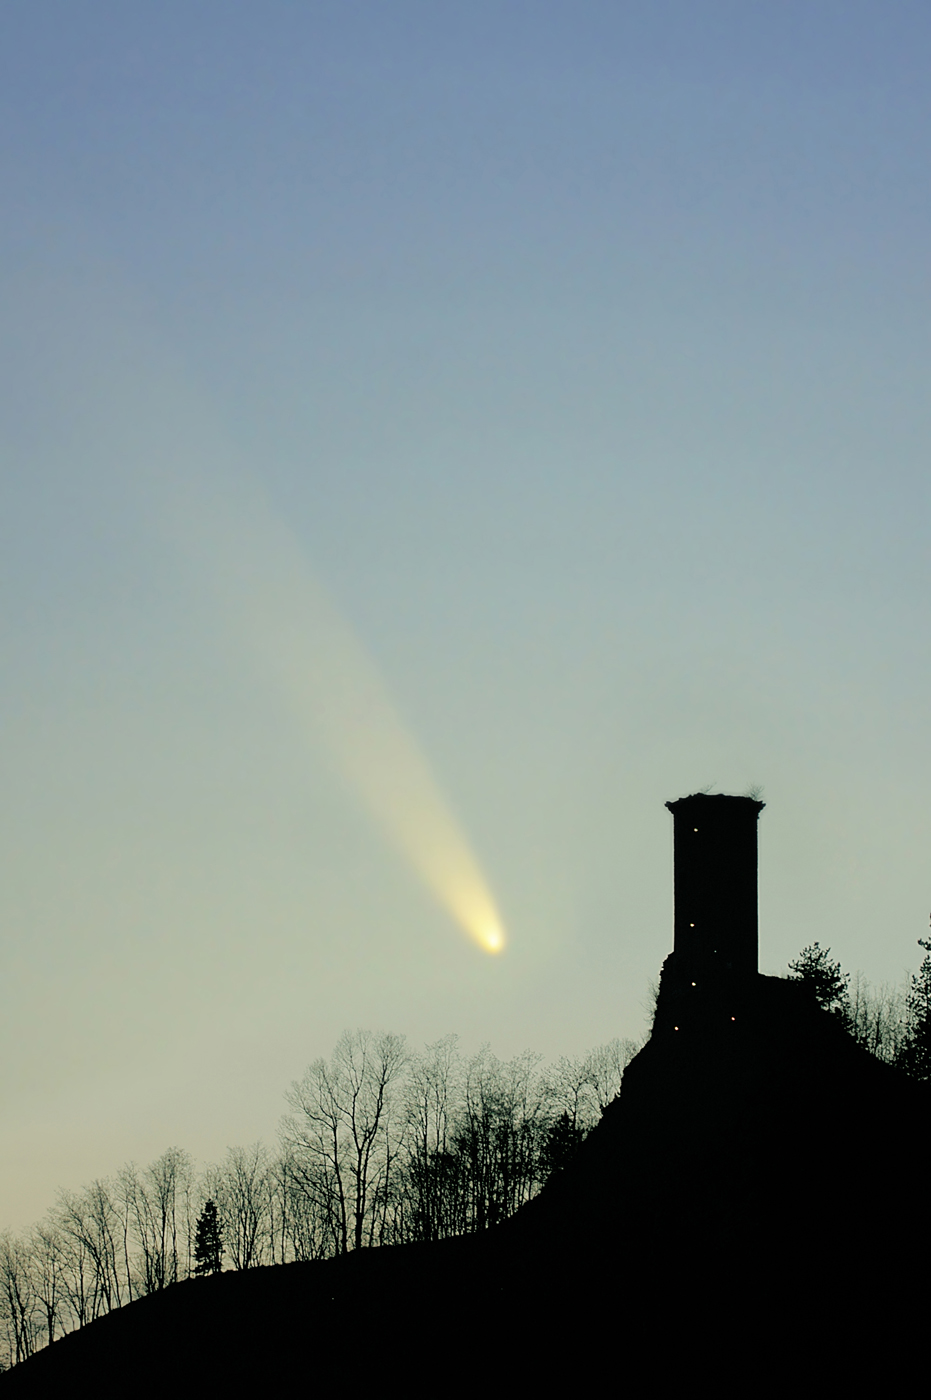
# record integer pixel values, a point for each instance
(579, 354)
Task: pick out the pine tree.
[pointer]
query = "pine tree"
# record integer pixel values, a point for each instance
(208, 1242)
(816, 969)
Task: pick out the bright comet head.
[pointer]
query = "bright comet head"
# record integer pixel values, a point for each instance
(493, 939)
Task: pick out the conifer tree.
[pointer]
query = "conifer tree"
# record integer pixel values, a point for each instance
(815, 968)
(561, 1141)
(208, 1241)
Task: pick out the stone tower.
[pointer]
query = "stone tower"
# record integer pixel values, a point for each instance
(715, 884)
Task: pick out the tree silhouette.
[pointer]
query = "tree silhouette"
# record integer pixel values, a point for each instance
(208, 1241)
(384, 1147)
(816, 969)
(916, 1055)
(343, 1132)
(561, 1143)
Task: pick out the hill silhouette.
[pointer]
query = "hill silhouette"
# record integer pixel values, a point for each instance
(754, 1198)
(750, 1212)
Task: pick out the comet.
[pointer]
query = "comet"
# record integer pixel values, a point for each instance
(335, 692)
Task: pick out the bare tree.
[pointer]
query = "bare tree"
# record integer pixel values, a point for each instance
(158, 1201)
(605, 1066)
(877, 1018)
(309, 1221)
(498, 1137)
(340, 1132)
(579, 1090)
(428, 1205)
(78, 1280)
(567, 1089)
(243, 1195)
(18, 1300)
(293, 1232)
(48, 1255)
(91, 1224)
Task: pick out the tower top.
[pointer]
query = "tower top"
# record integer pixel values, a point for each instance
(696, 802)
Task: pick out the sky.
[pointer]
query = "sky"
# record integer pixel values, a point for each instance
(433, 437)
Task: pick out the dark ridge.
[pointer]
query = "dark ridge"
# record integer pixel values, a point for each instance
(754, 1198)
(750, 1212)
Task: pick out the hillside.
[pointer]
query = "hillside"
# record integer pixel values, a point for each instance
(755, 1197)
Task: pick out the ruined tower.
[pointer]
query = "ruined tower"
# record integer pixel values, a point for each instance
(715, 884)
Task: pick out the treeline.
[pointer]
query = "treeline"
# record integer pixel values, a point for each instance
(893, 1023)
(380, 1145)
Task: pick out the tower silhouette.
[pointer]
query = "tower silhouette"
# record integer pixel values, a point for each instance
(715, 884)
